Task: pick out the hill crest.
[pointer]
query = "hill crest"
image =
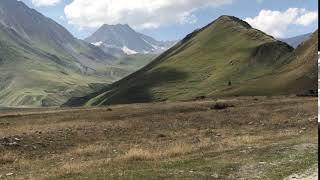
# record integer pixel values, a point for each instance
(222, 59)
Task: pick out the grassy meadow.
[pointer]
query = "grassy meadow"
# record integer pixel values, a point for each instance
(234, 138)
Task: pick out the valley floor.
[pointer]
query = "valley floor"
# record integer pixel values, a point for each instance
(242, 138)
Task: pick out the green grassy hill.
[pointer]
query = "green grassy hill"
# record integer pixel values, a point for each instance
(135, 61)
(226, 58)
(297, 74)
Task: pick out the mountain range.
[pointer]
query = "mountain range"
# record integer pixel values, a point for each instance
(226, 58)
(47, 35)
(120, 40)
(297, 40)
(42, 64)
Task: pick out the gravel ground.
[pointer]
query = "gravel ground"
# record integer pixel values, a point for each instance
(311, 174)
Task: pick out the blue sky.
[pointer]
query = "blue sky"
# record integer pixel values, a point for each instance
(167, 20)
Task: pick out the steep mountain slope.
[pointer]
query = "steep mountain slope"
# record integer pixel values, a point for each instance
(30, 76)
(226, 58)
(296, 41)
(49, 36)
(298, 74)
(42, 64)
(122, 40)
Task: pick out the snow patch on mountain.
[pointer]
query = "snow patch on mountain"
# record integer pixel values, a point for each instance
(128, 51)
(97, 43)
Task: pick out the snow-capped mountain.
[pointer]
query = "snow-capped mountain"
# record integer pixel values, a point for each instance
(123, 40)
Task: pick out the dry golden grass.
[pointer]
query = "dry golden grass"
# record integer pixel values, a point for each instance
(161, 139)
(139, 155)
(171, 151)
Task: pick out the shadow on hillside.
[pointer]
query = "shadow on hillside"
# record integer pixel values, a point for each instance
(270, 53)
(146, 87)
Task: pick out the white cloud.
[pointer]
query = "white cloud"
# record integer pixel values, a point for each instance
(276, 23)
(307, 19)
(137, 13)
(39, 3)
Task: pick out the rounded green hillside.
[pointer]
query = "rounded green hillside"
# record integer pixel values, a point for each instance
(225, 58)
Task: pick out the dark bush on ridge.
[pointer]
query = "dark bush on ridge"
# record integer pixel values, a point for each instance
(220, 106)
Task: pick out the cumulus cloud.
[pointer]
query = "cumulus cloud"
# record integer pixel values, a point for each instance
(307, 19)
(39, 3)
(137, 13)
(276, 23)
